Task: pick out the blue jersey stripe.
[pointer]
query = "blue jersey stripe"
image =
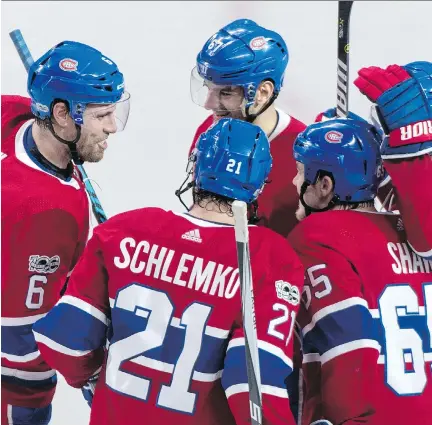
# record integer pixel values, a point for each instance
(343, 326)
(274, 370)
(18, 340)
(84, 332)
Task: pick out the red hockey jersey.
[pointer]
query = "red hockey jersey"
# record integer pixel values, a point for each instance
(164, 287)
(366, 320)
(44, 230)
(278, 202)
(411, 178)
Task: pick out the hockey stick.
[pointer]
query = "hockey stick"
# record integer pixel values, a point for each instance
(27, 60)
(248, 311)
(344, 13)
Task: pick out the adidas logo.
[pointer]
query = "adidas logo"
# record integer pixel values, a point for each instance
(192, 235)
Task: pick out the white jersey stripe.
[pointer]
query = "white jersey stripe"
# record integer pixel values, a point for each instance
(84, 306)
(59, 347)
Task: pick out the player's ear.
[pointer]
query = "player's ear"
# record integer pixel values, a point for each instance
(264, 92)
(61, 114)
(325, 186)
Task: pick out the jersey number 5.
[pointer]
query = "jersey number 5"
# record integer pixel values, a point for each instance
(156, 307)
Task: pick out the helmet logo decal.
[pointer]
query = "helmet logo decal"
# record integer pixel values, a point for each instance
(258, 43)
(68, 64)
(333, 136)
(202, 69)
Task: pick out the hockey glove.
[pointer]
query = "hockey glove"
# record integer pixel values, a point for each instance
(88, 389)
(403, 98)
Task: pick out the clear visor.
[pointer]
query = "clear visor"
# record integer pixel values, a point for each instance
(375, 120)
(218, 98)
(113, 115)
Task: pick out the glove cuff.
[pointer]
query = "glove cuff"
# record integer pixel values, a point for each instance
(411, 134)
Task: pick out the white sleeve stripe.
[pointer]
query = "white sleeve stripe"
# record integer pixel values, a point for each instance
(311, 358)
(265, 389)
(422, 254)
(348, 347)
(20, 321)
(28, 376)
(263, 345)
(21, 359)
(59, 347)
(84, 306)
(341, 305)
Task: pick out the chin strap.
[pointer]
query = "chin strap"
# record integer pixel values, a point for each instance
(185, 187)
(71, 144)
(251, 117)
(309, 210)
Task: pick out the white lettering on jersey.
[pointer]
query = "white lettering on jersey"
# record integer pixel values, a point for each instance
(406, 261)
(192, 272)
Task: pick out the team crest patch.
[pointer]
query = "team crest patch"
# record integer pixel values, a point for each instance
(287, 292)
(333, 136)
(68, 64)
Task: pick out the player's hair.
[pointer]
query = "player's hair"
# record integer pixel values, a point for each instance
(203, 197)
(45, 122)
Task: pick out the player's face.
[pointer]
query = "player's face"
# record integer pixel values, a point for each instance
(224, 101)
(297, 182)
(99, 123)
(311, 196)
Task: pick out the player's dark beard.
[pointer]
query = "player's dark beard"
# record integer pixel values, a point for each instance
(222, 112)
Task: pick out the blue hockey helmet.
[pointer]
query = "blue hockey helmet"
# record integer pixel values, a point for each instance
(349, 150)
(240, 54)
(81, 75)
(233, 159)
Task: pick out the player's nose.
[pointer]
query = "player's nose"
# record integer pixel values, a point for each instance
(212, 100)
(110, 125)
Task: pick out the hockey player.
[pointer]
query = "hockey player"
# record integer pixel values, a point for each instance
(365, 316)
(166, 285)
(403, 98)
(240, 73)
(77, 100)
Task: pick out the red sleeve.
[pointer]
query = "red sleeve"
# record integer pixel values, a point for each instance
(277, 299)
(14, 109)
(72, 336)
(412, 179)
(201, 129)
(340, 349)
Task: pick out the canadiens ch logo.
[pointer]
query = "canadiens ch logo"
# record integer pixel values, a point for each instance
(333, 136)
(287, 292)
(43, 263)
(68, 64)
